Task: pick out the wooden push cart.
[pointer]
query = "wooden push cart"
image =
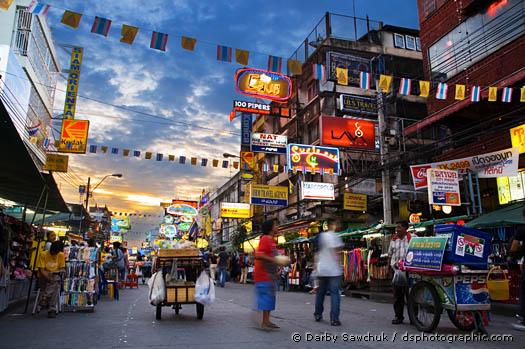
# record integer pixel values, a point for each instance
(180, 269)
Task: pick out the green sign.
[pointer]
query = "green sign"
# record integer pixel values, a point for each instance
(426, 253)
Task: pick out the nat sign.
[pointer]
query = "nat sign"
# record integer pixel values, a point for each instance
(269, 143)
(263, 84)
(348, 133)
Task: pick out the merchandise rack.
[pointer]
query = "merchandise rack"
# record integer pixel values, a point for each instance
(80, 281)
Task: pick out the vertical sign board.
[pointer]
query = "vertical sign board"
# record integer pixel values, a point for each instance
(517, 135)
(443, 187)
(72, 83)
(246, 129)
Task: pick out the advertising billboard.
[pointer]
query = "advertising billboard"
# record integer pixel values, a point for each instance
(517, 136)
(73, 137)
(56, 162)
(355, 202)
(443, 187)
(317, 191)
(269, 143)
(121, 224)
(354, 64)
(348, 133)
(246, 128)
(263, 84)
(268, 195)
(251, 107)
(235, 210)
(311, 158)
(358, 104)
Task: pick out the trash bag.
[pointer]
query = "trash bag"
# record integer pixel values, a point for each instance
(400, 278)
(157, 288)
(204, 290)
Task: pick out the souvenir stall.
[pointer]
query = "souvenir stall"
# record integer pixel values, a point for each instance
(80, 286)
(301, 262)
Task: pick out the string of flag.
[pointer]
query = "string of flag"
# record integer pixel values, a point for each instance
(130, 214)
(422, 88)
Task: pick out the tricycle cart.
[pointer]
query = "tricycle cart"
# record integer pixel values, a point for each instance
(180, 269)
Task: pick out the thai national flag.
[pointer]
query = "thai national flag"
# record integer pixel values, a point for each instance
(266, 168)
(364, 80)
(224, 53)
(319, 72)
(442, 91)
(275, 64)
(92, 148)
(405, 86)
(507, 95)
(475, 94)
(101, 26)
(159, 41)
(37, 8)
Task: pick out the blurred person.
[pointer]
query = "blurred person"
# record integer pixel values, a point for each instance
(518, 250)
(244, 263)
(116, 260)
(328, 272)
(51, 237)
(222, 266)
(50, 264)
(213, 265)
(126, 262)
(397, 251)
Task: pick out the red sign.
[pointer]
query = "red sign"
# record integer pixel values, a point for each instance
(419, 175)
(348, 133)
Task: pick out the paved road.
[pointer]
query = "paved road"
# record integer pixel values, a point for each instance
(130, 323)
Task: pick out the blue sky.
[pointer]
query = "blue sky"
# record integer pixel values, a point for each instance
(187, 87)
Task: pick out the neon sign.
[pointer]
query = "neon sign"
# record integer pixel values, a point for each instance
(309, 158)
(263, 84)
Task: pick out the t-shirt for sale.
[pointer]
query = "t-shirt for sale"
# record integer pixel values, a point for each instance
(261, 268)
(328, 259)
(223, 259)
(51, 263)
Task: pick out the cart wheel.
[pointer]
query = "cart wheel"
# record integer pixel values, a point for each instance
(424, 307)
(200, 311)
(158, 313)
(463, 320)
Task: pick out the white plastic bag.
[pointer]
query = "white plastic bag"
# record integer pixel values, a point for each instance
(157, 288)
(204, 289)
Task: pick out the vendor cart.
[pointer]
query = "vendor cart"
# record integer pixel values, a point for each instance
(180, 270)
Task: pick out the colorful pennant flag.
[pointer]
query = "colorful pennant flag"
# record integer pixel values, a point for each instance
(159, 41)
(182, 160)
(442, 91)
(5, 4)
(507, 95)
(384, 83)
(295, 67)
(38, 8)
(125, 152)
(204, 162)
(319, 72)
(104, 149)
(342, 76)
(136, 153)
(114, 150)
(128, 34)
(475, 94)
(101, 26)
(71, 19)
(236, 165)
(522, 94)
(188, 43)
(225, 164)
(493, 94)
(424, 88)
(215, 163)
(148, 155)
(92, 148)
(275, 64)
(224, 53)
(364, 80)
(160, 157)
(242, 56)
(171, 157)
(405, 86)
(460, 92)
(194, 161)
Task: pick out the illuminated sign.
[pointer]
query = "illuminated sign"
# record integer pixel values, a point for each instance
(511, 188)
(311, 158)
(517, 135)
(182, 210)
(348, 133)
(269, 143)
(251, 107)
(193, 204)
(73, 137)
(317, 191)
(355, 202)
(246, 128)
(358, 104)
(263, 84)
(120, 224)
(268, 195)
(72, 83)
(235, 210)
(115, 238)
(56, 162)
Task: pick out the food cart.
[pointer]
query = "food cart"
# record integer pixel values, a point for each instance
(180, 269)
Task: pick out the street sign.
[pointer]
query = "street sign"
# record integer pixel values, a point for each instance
(268, 195)
(56, 162)
(426, 252)
(73, 138)
(269, 143)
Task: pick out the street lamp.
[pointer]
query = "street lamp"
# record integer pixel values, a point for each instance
(228, 155)
(117, 175)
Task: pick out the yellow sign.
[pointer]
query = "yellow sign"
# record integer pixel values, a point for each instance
(384, 83)
(72, 83)
(235, 210)
(342, 76)
(493, 94)
(503, 190)
(73, 138)
(56, 163)
(268, 195)
(460, 92)
(355, 202)
(424, 88)
(517, 135)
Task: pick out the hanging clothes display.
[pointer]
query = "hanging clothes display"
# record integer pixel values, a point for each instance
(80, 282)
(355, 265)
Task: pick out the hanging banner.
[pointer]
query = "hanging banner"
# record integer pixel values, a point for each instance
(358, 104)
(235, 210)
(251, 107)
(269, 143)
(72, 83)
(426, 252)
(443, 187)
(490, 165)
(268, 195)
(263, 84)
(348, 133)
(246, 128)
(56, 162)
(355, 202)
(310, 158)
(317, 191)
(517, 135)
(73, 137)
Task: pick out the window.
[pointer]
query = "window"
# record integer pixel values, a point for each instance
(313, 90)
(429, 6)
(411, 42)
(418, 44)
(476, 38)
(399, 41)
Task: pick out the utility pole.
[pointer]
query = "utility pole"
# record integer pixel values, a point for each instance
(87, 194)
(385, 171)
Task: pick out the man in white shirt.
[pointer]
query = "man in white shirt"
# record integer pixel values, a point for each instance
(328, 270)
(397, 252)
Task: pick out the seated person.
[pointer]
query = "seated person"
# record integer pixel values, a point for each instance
(50, 264)
(117, 261)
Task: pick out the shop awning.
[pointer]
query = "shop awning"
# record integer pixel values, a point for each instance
(20, 179)
(439, 221)
(505, 217)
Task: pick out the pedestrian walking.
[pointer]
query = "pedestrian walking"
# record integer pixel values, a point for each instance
(396, 252)
(518, 249)
(50, 264)
(222, 266)
(328, 270)
(265, 274)
(244, 263)
(213, 265)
